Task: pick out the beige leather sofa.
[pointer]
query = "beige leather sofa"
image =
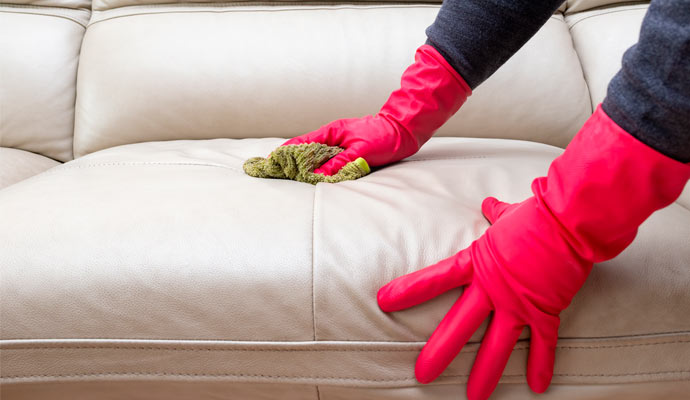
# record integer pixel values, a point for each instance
(137, 261)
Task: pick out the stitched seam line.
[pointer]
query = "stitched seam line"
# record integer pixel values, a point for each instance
(642, 336)
(47, 14)
(443, 158)
(255, 10)
(312, 377)
(318, 350)
(313, 293)
(639, 7)
(136, 163)
(255, 3)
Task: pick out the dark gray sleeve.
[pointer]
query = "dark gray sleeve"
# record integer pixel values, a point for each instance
(650, 95)
(477, 36)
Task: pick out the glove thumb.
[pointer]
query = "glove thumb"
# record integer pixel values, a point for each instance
(493, 209)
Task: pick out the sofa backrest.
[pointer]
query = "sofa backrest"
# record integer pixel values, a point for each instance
(198, 71)
(40, 42)
(186, 70)
(575, 6)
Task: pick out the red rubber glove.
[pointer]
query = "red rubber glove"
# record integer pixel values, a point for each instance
(529, 264)
(431, 92)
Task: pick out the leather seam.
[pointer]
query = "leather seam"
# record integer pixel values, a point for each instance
(312, 377)
(569, 347)
(444, 158)
(135, 163)
(640, 336)
(46, 14)
(313, 250)
(632, 8)
(209, 350)
(246, 10)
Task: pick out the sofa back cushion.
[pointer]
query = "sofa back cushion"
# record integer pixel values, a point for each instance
(39, 47)
(574, 6)
(206, 71)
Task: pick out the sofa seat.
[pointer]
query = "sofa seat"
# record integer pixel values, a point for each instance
(17, 165)
(164, 262)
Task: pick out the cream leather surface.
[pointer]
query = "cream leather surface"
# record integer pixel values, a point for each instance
(575, 6)
(188, 268)
(52, 3)
(102, 5)
(17, 165)
(601, 37)
(151, 267)
(38, 73)
(194, 79)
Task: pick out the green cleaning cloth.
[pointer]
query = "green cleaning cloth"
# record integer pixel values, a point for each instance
(298, 162)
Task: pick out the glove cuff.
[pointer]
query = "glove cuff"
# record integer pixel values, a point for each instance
(431, 92)
(605, 185)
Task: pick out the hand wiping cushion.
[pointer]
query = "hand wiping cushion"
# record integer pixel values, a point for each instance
(298, 162)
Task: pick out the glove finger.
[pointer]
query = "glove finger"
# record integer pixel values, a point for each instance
(417, 287)
(452, 333)
(493, 209)
(492, 357)
(542, 354)
(332, 166)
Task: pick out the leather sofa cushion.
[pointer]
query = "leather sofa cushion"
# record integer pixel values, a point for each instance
(193, 72)
(575, 6)
(17, 165)
(601, 37)
(38, 78)
(163, 260)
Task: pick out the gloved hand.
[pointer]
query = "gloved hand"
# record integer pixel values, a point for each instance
(431, 92)
(529, 264)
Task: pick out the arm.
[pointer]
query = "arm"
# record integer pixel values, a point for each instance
(478, 36)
